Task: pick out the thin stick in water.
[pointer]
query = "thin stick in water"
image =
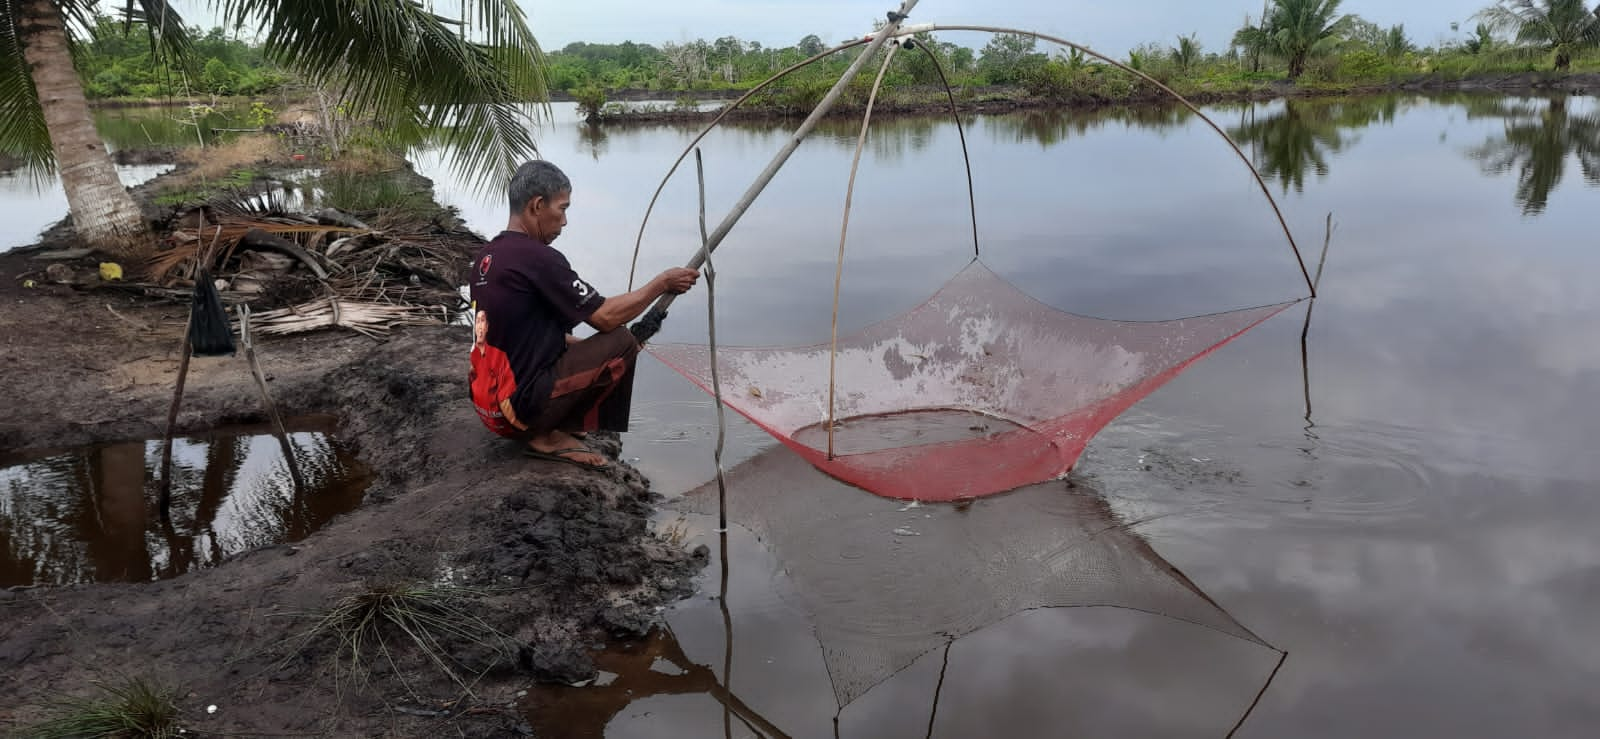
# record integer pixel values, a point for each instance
(716, 381)
(165, 500)
(1282, 656)
(279, 430)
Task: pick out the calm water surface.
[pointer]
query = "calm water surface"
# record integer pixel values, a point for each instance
(89, 515)
(1422, 545)
(29, 204)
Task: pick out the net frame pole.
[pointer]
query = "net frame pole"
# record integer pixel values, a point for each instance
(844, 231)
(657, 312)
(638, 241)
(1260, 182)
(961, 132)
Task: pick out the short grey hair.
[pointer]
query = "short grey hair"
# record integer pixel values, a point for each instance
(537, 179)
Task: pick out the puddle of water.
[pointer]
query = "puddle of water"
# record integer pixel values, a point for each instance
(90, 514)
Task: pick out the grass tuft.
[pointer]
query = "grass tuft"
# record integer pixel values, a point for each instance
(433, 619)
(368, 192)
(135, 708)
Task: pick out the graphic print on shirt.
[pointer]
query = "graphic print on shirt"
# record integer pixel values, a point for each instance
(530, 299)
(491, 380)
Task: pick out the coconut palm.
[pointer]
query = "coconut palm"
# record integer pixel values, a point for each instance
(393, 61)
(1295, 30)
(1186, 53)
(1562, 27)
(1537, 145)
(1395, 42)
(1296, 141)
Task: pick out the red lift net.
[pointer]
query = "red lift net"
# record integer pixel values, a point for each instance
(980, 390)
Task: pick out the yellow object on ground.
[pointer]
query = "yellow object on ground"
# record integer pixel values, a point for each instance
(110, 271)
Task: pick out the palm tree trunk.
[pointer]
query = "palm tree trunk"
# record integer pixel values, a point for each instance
(1297, 67)
(102, 211)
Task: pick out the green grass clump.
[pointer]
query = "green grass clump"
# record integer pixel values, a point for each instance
(381, 618)
(135, 708)
(361, 191)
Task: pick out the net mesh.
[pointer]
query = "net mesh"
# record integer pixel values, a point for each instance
(883, 583)
(980, 390)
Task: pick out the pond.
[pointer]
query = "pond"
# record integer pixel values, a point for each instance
(88, 515)
(29, 205)
(1403, 503)
(1408, 514)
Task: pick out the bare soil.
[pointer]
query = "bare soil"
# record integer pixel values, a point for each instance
(554, 558)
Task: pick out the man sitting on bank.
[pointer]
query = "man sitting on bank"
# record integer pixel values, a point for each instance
(531, 379)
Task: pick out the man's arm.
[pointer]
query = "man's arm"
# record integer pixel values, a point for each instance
(620, 309)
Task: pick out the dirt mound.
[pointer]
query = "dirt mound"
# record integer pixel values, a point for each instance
(535, 561)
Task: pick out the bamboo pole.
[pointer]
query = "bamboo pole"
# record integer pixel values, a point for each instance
(638, 241)
(647, 326)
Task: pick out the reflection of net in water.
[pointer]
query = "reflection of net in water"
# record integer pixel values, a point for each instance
(883, 584)
(1039, 383)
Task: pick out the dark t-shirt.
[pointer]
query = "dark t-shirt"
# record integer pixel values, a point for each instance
(531, 300)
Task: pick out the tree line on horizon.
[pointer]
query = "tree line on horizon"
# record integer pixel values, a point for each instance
(1291, 39)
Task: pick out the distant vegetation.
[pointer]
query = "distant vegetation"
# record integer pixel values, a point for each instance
(115, 64)
(1308, 42)
(1303, 41)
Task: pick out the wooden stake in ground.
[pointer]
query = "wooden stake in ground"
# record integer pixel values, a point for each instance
(172, 421)
(279, 430)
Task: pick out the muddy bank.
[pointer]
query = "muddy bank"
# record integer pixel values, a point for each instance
(931, 101)
(146, 155)
(540, 560)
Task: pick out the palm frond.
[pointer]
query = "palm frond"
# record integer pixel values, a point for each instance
(168, 36)
(397, 62)
(23, 134)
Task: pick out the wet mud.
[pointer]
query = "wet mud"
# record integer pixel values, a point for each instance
(547, 558)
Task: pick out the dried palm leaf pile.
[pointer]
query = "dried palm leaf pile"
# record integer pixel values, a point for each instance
(302, 272)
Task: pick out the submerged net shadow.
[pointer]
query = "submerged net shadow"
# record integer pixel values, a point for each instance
(980, 390)
(884, 584)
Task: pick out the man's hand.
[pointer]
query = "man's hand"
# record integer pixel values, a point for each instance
(678, 280)
(620, 309)
(572, 339)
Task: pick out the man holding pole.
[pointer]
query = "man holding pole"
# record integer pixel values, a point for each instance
(531, 379)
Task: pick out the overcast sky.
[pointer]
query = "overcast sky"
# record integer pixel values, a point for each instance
(1110, 27)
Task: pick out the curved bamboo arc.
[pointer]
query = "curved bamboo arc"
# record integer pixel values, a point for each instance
(972, 197)
(639, 240)
(844, 230)
(1310, 284)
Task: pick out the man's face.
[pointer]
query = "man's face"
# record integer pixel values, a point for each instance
(546, 217)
